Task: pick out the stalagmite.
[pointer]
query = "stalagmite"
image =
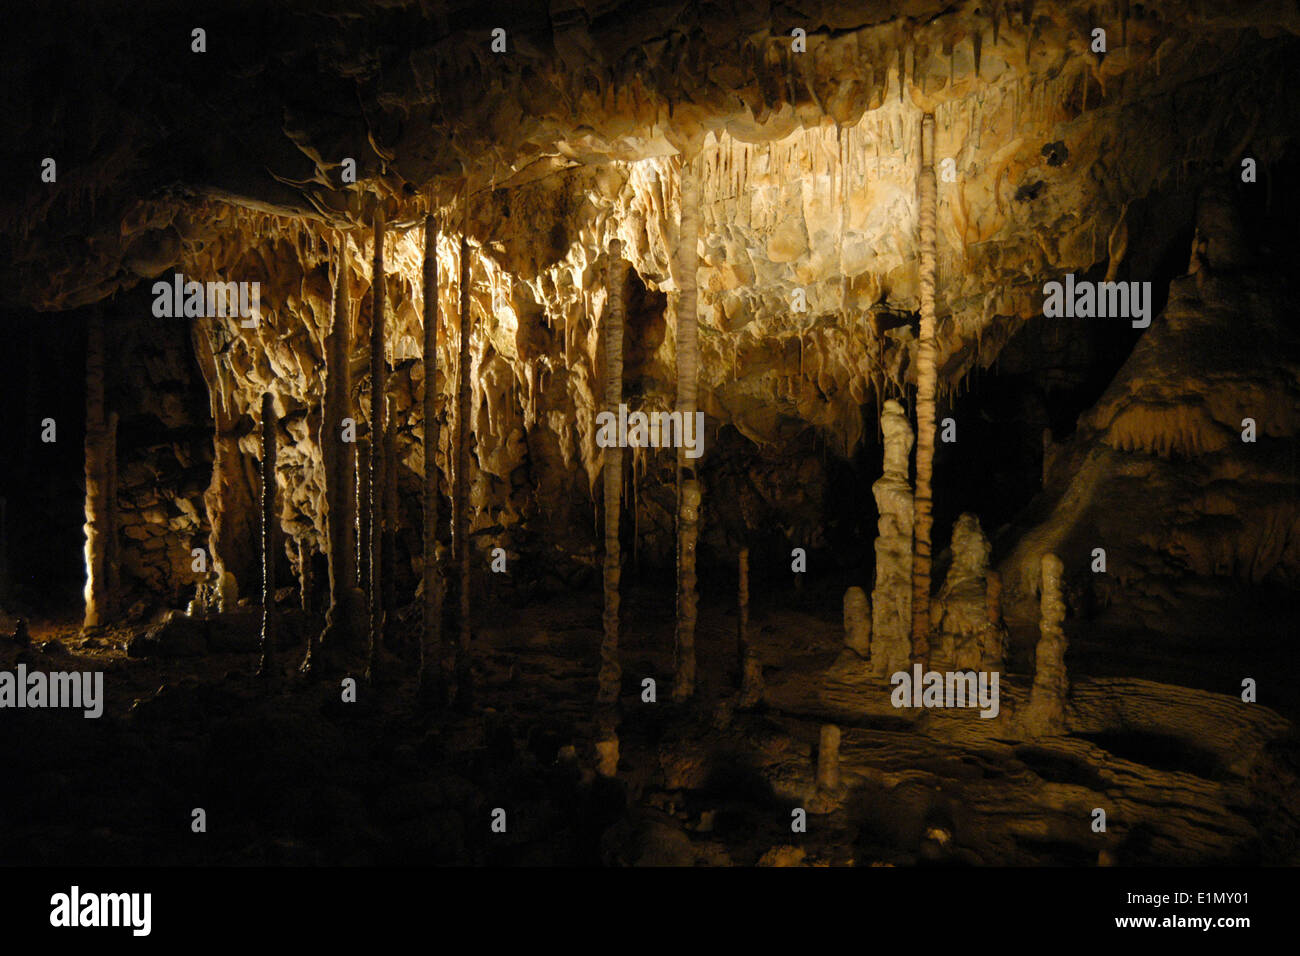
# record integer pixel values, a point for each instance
(828, 758)
(925, 401)
(431, 651)
(610, 672)
(688, 494)
(742, 614)
(267, 667)
(338, 458)
(751, 680)
(378, 441)
(1045, 713)
(891, 600)
(460, 500)
(857, 622)
(100, 438)
(960, 615)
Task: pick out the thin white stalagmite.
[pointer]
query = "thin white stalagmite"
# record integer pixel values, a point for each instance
(267, 669)
(460, 502)
(925, 403)
(611, 673)
(378, 431)
(337, 455)
(688, 489)
(431, 650)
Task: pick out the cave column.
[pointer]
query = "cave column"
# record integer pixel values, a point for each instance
(891, 600)
(267, 668)
(688, 489)
(460, 500)
(925, 402)
(431, 650)
(1045, 713)
(100, 482)
(337, 444)
(378, 443)
(611, 673)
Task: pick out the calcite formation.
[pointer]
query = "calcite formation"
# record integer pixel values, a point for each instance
(1045, 713)
(965, 614)
(891, 599)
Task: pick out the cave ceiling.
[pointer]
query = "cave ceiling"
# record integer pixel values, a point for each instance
(1053, 158)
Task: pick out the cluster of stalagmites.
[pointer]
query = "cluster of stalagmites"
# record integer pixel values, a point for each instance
(967, 632)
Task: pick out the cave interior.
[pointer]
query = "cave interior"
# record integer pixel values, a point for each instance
(981, 310)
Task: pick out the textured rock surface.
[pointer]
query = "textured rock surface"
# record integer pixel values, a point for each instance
(891, 600)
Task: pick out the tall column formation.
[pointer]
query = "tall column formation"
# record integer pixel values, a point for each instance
(1046, 711)
(378, 440)
(925, 401)
(610, 672)
(340, 469)
(891, 600)
(267, 668)
(99, 500)
(688, 488)
(460, 501)
(431, 650)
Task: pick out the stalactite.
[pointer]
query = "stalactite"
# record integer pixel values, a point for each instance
(99, 504)
(432, 654)
(688, 491)
(610, 671)
(378, 441)
(925, 402)
(305, 583)
(460, 501)
(267, 668)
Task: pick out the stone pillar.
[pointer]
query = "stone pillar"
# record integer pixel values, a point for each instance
(338, 457)
(891, 599)
(267, 668)
(1046, 711)
(378, 440)
(460, 500)
(686, 262)
(431, 650)
(611, 673)
(857, 622)
(925, 400)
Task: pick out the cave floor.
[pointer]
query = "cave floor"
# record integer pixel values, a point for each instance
(300, 777)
